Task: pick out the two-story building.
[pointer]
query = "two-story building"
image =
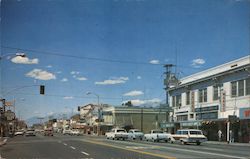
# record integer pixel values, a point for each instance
(207, 100)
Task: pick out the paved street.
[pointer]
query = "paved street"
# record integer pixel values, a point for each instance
(87, 147)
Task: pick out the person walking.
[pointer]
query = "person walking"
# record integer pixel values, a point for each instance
(231, 136)
(219, 135)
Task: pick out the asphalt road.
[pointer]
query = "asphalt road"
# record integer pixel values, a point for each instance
(92, 147)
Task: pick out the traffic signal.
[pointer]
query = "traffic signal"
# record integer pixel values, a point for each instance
(42, 89)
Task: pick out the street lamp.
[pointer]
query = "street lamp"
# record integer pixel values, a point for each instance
(99, 111)
(16, 54)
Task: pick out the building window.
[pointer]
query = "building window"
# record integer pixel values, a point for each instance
(233, 89)
(188, 98)
(216, 93)
(247, 86)
(178, 100)
(200, 95)
(173, 101)
(241, 88)
(203, 95)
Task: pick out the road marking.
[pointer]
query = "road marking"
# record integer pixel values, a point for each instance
(73, 147)
(85, 153)
(133, 150)
(65, 144)
(141, 147)
(210, 153)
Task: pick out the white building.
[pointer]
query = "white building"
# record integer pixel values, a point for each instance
(213, 94)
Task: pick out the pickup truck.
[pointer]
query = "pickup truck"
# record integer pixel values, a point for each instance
(117, 133)
(157, 135)
(189, 136)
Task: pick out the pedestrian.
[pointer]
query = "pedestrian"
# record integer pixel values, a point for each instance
(231, 136)
(219, 135)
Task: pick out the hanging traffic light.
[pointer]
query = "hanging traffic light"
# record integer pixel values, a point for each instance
(42, 89)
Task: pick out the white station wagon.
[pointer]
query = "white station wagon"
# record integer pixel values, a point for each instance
(190, 136)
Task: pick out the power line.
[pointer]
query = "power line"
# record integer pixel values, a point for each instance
(78, 57)
(89, 58)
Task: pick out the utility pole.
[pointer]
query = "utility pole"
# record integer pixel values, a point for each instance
(167, 83)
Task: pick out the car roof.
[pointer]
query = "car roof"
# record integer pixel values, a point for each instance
(188, 130)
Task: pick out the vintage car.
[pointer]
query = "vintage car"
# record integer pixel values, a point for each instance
(157, 135)
(117, 133)
(189, 136)
(48, 132)
(135, 134)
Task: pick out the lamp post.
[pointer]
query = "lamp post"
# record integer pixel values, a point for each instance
(99, 110)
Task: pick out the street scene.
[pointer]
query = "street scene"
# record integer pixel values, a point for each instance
(125, 79)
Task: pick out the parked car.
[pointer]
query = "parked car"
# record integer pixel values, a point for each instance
(135, 134)
(157, 135)
(117, 133)
(19, 132)
(48, 132)
(67, 132)
(75, 132)
(190, 136)
(30, 132)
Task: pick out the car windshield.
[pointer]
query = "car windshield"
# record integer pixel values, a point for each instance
(120, 130)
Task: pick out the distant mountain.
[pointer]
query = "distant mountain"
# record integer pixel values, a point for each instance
(36, 119)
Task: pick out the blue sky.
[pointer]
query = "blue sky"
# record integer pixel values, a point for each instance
(194, 34)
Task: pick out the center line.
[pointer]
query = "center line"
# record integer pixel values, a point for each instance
(65, 144)
(85, 153)
(73, 147)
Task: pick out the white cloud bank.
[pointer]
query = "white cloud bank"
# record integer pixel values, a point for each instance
(155, 62)
(113, 81)
(198, 62)
(133, 93)
(150, 102)
(40, 74)
(24, 60)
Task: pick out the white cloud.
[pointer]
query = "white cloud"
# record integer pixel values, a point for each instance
(24, 60)
(59, 72)
(198, 62)
(150, 102)
(155, 62)
(41, 74)
(68, 97)
(81, 78)
(64, 80)
(75, 72)
(139, 77)
(49, 66)
(113, 81)
(133, 93)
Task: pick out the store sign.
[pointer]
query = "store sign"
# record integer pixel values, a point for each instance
(223, 102)
(244, 113)
(166, 125)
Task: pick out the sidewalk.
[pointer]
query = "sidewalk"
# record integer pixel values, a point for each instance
(225, 143)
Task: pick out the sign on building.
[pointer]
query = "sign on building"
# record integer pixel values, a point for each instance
(245, 113)
(223, 101)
